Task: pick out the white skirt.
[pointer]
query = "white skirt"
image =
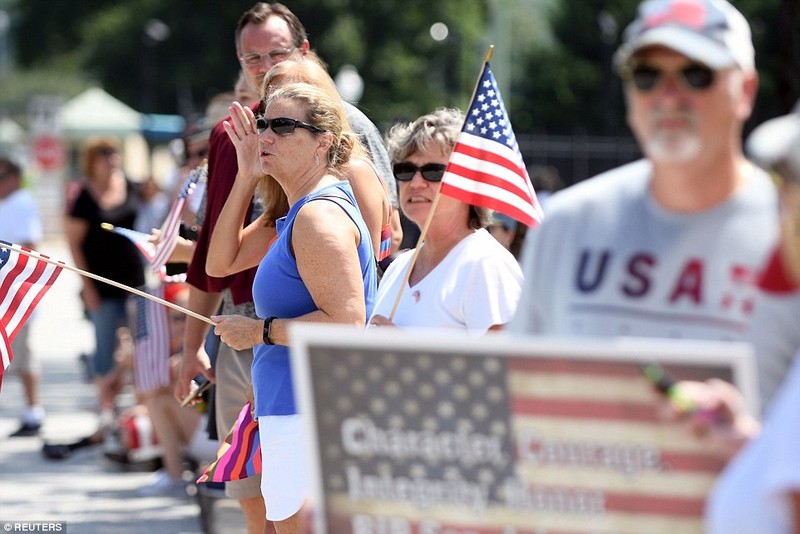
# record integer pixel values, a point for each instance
(285, 482)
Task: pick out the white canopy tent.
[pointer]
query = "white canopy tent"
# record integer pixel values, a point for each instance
(95, 112)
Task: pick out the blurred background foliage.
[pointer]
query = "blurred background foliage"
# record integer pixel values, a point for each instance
(552, 57)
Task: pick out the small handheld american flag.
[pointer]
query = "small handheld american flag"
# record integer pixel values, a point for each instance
(24, 280)
(486, 167)
(169, 230)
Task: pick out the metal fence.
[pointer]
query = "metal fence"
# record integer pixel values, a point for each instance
(577, 157)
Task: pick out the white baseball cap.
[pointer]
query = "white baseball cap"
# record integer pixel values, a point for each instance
(712, 32)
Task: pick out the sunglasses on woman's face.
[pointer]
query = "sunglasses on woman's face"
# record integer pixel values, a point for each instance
(283, 126)
(694, 77)
(405, 171)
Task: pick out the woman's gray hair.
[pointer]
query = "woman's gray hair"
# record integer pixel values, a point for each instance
(437, 130)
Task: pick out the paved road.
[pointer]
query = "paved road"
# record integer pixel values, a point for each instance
(88, 492)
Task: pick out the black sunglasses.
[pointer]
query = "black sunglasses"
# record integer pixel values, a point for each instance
(405, 171)
(283, 126)
(694, 77)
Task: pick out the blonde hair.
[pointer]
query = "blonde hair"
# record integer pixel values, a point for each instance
(324, 111)
(309, 70)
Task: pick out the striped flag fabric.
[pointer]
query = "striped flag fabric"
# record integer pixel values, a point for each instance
(151, 341)
(239, 456)
(140, 239)
(486, 167)
(24, 280)
(169, 230)
(148, 250)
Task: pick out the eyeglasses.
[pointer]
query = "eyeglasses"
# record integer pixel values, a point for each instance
(405, 171)
(106, 152)
(694, 77)
(283, 126)
(251, 59)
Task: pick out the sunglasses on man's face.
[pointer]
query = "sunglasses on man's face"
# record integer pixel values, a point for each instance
(694, 77)
(405, 171)
(283, 126)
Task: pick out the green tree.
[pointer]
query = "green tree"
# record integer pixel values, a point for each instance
(406, 72)
(568, 87)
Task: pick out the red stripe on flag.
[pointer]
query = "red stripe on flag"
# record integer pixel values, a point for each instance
(169, 235)
(486, 168)
(489, 156)
(637, 503)
(588, 409)
(23, 282)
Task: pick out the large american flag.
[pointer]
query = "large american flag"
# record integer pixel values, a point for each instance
(24, 280)
(486, 167)
(169, 230)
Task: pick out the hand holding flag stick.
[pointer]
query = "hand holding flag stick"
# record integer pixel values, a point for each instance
(486, 168)
(87, 274)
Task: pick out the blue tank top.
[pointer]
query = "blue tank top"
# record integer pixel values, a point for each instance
(278, 291)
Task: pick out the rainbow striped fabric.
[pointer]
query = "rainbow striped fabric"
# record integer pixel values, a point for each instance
(239, 456)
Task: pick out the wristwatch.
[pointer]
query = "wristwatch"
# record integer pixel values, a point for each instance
(267, 326)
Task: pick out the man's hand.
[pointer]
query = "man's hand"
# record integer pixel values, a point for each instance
(192, 364)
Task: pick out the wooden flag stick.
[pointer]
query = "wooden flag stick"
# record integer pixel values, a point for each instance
(420, 241)
(81, 272)
(425, 226)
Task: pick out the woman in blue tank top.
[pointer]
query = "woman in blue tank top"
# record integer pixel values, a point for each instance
(319, 268)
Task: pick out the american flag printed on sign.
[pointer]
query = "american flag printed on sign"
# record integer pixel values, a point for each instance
(486, 167)
(419, 442)
(24, 280)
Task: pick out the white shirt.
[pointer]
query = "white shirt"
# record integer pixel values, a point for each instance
(477, 285)
(19, 219)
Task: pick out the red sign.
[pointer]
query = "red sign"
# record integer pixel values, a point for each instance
(48, 152)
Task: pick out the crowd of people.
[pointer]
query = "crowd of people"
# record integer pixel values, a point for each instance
(299, 221)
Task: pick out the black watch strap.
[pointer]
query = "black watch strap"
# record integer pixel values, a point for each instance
(267, 326)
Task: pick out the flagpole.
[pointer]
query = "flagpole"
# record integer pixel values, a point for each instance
(81, 272)
(425, 226)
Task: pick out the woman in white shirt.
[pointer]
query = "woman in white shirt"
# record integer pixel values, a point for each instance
(462, 277)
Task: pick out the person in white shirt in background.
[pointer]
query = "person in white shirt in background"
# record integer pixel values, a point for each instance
(21, 224)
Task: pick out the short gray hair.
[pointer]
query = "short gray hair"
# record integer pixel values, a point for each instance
(437, 130)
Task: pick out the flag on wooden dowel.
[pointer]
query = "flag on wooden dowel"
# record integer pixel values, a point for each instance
(169, 230)
(486, 167)
(24, 280)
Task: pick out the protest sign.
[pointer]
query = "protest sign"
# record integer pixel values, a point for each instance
(428, 433)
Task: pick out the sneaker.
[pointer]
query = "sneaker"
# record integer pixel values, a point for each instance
(26, 430)
(163, 485)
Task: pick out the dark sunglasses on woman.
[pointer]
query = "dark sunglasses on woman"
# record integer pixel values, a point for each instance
(283, 126)
(405, 171)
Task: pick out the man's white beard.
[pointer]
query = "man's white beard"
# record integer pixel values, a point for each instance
(672, 148)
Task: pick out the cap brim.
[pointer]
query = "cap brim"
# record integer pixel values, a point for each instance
(684, 41)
